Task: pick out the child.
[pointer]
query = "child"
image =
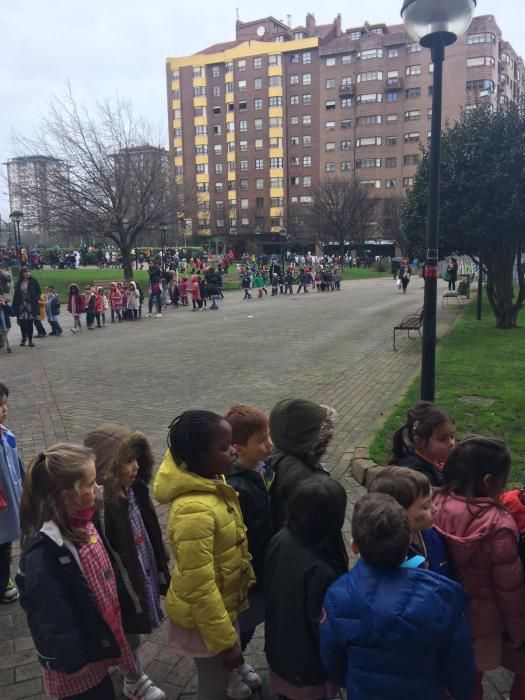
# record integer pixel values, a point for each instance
(53, 311)
(389, 629)
(203, 286)
(483, 543)
(41, 331)
(303, 559)
(412, 490)
(281, 283)
(301, 432)
(89, 305)
(252, 479)
(115, 301)
(99, 306)
(183, 291)
(195, 292)
(67, 584)
(424, 443)
(133, 302)
(275, 285)
(105, 305)
(123, 300)
(258, 283)
(212, 574)
(5, 323)
(124, 464)
(514, 502)
(245, 284)
(289, 282)
(75, 306)
(11, 472)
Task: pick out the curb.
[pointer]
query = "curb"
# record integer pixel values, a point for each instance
(363, 469)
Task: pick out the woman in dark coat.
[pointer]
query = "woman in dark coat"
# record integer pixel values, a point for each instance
(25, 304)
(452, 274)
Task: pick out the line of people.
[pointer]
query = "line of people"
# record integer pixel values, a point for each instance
(255, 526)
(307, 279)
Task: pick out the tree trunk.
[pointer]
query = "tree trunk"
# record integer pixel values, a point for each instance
(127, 263)
(500, 290)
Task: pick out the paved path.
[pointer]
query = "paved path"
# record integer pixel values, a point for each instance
(333, 348)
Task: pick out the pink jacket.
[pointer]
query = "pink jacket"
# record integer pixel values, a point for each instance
(484, 551)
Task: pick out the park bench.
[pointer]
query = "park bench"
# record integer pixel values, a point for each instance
(412, 322)
(461, 294)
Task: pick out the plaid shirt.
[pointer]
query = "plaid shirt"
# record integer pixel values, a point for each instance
(100, 578)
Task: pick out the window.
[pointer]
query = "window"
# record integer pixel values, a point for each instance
(198, 71)
(390, 162)
(346, 81)
(243, 106)
(257, 62)
(411, 159)
(216, 110)
(175, 74)
(243, 125)
(276, 221)
(370, 53)
(413, 115)
(201, 167)
(218, 186)
(430, 67)
(391, 140)
(229, 66)
(175, 94)
(179, 170)
(294, 79)
(329, 104)
(258, 124)
(274, 59)
(201, 130)
(413, 92)
(346, 165)
(307, 119)
(391, 96)
(295, 180)
(306, 199)
(275, 81)
(243, 145)
(241, 65)
(390, 184)
(346, 102)
(307, 161)
(259, 183)
(346, 145)
(482, 38)
(372, 184)
(231, 166)
(330, 61)
(329, 126)
(369, 119)
(178, 150)
(294, 58)
(346, 123)
(414, 70)
(259, 164)
(294, 99)
(230, 107)
(307, 141)
(307, 57)
(413, 48)
(199, 91)
(429, 112)
(480, 61)
(216, 90)
(391, 118)
(276, 122)
(295, 141)
(243, 185)
(408, 182)
(241, 85)
(298, 35)
(244, 203)
(369, 75)
(307, 181)
(276, 163)
(294, 121)
(355, 36)
(307, 78)
(295, 160)
(329, 146)
(217, 149)
(243, 165)
(393, 52)
(231, 147)
(370, 97)
(230, 128)
(377, 30)
(307, 99)
(329, 167)
(346, 59)
(368, 141)
(177, 113)
(257, 83)
(258, 103)
(275, 101)
(368, 163)
(478, 85)
(177, 133)
(229, 87)
(259, 202)
(412, 137)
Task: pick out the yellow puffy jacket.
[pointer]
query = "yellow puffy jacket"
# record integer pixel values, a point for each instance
(212, 574)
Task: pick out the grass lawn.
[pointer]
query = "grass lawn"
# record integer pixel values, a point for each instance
(362, 273)
(477, 360)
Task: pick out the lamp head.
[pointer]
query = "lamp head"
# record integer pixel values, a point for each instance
(429, 21)
(16, 215)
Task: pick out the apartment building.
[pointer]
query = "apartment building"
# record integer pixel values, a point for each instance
(257, 124)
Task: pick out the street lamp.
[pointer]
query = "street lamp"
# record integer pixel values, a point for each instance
(163, 228)
(16, 217)
(434, 24)
(284, 237)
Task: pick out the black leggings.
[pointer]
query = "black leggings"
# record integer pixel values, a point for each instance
(102, 691)
(26, 328)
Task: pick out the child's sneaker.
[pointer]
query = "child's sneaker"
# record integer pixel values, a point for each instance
(11, 594)
(147, 316)
(158, 315)
(249, 676)
(237, 688)
(142, 689)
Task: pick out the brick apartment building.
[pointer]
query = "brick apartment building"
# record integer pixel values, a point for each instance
(256, 124)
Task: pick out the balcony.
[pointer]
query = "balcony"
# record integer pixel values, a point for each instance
(346, 90)
(394, 84)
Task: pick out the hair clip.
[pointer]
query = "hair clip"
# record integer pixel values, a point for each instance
(415, 425)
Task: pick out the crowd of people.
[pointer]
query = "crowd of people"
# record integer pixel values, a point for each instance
(434, 598)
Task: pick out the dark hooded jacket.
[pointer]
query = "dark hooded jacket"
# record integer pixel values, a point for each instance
(111, 443)
(297, 427)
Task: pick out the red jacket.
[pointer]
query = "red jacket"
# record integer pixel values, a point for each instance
(79, 303)
(99, 304)
(483, 544)
(512, 501)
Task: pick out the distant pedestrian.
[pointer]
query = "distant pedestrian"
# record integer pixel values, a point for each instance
(25, 304)
(452, 274)
(75, 306)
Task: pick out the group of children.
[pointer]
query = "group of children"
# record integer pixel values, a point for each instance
(255, 523)
(321, 279)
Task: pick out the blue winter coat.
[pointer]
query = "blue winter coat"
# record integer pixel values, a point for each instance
(11, 475)
(397, 635)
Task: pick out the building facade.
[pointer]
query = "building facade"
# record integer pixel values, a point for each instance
(257, 124)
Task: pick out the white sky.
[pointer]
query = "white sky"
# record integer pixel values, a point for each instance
(108, 47)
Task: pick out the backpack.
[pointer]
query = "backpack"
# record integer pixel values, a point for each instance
(55, 305)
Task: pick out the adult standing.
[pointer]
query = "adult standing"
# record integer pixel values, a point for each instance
(212, 281)
(452, 274)
(154, 289)
(404, 275)
(25, 304)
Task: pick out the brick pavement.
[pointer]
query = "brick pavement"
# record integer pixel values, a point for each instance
(334, 348)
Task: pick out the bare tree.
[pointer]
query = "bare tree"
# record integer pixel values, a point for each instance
(392, 209)
(300, 222)
(341, 210)
(114, 184)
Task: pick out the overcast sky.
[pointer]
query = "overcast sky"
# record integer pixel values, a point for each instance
(108, 47)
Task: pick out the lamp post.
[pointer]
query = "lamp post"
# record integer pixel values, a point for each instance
(163, 228)
(16, 217)
(284, 237)
(435, 24)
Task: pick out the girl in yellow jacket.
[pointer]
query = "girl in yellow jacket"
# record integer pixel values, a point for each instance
(212, 574)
